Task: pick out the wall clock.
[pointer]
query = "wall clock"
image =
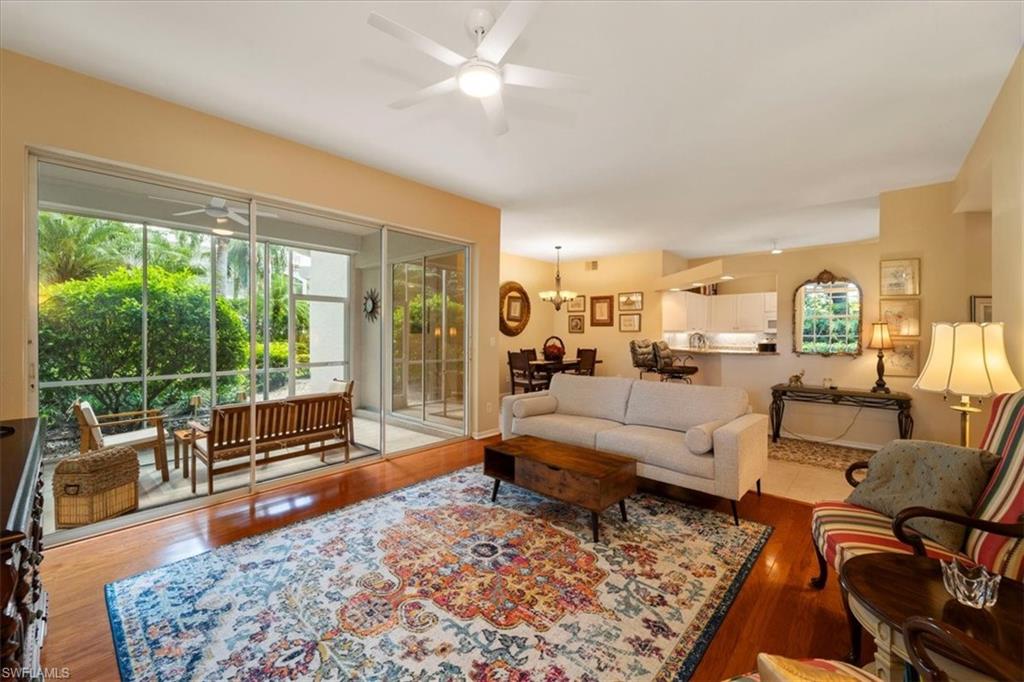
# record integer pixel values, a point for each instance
(371, 304)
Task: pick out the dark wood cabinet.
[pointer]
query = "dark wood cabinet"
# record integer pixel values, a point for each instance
(22, 595)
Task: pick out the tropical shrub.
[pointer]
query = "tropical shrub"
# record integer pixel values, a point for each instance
(92, 329)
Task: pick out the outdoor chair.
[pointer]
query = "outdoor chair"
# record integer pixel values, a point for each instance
(152, 437)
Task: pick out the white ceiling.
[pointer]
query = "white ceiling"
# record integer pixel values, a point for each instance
(710, 128)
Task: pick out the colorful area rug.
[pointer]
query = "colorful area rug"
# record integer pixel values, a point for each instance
(816, 454)
(434, 582)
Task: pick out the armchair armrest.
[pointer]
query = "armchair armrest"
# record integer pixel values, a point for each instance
(856, 466)
(1013, 530)
(196, 426)
(131, 420)
(976, 654)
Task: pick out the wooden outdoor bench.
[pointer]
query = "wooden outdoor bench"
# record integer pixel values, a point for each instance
(320, 420)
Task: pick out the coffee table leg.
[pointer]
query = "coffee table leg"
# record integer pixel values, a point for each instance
(494, 494)
(594, 524)
(855, 631)
(622, 508)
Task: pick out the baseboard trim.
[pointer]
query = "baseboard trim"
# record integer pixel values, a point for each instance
(480, 435)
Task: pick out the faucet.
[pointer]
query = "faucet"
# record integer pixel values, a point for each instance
(698, 340)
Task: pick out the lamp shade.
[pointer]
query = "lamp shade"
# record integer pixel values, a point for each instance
(880, 339)
(969, 359)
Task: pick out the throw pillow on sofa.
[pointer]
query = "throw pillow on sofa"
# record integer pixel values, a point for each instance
(700, 439)
(531, 407)
(919, 473)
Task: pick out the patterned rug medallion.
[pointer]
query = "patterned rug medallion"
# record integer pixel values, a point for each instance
(813, 453)
(434, 582)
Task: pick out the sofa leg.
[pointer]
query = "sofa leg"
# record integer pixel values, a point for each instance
(735, 514)
(818, 582)
(759, 487)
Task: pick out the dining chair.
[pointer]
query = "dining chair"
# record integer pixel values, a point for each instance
(521, 373)
(588, 361)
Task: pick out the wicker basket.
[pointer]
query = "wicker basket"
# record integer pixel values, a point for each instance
(96, 485)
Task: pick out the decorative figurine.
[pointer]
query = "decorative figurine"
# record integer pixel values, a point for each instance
(797, 379)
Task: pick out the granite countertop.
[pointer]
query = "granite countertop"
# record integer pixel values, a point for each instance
(723, 351)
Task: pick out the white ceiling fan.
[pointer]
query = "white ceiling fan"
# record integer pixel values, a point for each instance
(482, 75)
(216, 208)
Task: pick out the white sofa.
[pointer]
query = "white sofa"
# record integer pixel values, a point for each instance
(698, 437)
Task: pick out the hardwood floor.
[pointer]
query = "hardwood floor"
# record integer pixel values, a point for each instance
(774, 612)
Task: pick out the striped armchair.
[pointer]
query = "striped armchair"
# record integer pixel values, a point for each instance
(841, 530)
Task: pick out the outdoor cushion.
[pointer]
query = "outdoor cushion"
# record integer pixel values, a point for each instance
(94, 424)
(1003, 498)
(131, 437)
(657, 447)
(585, 396)
(529, 407)
(680, 407)
(700, 438)
(920, 473)
(564, 428)
(843, 530)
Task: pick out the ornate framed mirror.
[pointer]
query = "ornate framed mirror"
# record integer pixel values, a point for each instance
(514, 313)
(827, 316)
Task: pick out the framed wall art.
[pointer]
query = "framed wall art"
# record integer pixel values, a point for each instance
(577, 305)
(900, 277)
(576, 324)
(981, 308)
(631, 301)
(904, 360)
(902, 314)
(629, 322)
(602, 311)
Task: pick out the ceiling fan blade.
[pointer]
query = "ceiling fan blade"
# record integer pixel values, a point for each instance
(506, 30)
(198, 210)
(494, 107)
(175, 201)
(527, 76)
(238, 218)
(439, 88)
(417, 40)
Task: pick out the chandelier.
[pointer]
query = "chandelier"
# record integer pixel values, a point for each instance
(558, 297)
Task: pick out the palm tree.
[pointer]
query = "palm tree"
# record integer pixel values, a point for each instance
(76, 247)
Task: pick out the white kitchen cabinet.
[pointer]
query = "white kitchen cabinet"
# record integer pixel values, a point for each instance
(750, 312)
(771, 302)
(683, 311)
(673, 311)
(724, 313)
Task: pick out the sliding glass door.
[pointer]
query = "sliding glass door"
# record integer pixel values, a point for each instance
(428, 336)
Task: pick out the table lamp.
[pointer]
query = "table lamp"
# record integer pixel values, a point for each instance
(881, 340)
(970, 359)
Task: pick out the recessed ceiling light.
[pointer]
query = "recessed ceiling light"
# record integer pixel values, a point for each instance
(726, 277)
(697, 284)
(222, 232)
(675, 289)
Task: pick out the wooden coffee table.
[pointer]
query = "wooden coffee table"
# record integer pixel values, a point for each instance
(883, 590)
(569, 473)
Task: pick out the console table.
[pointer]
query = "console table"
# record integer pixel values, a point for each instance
(897, 402)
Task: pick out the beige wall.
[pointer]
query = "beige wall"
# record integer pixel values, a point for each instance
(535, 276)
(46, 106)
(992, 179)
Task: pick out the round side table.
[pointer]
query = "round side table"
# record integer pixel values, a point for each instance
(883, 590)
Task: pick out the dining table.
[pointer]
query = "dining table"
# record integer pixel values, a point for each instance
(555, 366)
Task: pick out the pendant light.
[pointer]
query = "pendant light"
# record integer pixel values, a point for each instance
(558, 297)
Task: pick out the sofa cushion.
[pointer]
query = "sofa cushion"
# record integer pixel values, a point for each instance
(564, 428)
(681, 406)
(700, 438)
(530, 407)
(657, 447)
(598, 397)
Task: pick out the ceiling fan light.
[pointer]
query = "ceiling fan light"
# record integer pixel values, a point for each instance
(479, 79)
